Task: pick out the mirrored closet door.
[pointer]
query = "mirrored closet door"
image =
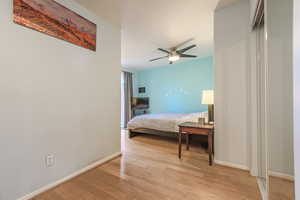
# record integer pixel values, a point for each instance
(260, 111)
(279, 25)
(262, 108)
(274, 163)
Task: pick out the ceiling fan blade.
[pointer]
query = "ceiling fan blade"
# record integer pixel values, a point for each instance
(163, 50)
(183, 43)
(187, 56)
(187, 48)
(158, 58)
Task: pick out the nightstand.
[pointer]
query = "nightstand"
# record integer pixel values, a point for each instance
(189, 128)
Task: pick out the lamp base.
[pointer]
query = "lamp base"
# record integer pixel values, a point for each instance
(211, 114)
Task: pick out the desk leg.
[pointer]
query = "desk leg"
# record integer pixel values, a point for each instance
(213, 144)
(179, 144)
(187, 141)
(210, 148)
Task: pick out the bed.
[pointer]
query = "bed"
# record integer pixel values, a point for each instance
(163, 123)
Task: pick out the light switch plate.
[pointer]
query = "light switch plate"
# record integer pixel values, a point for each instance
(49, 160)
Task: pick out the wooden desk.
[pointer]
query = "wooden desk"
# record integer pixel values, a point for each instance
(188, 128)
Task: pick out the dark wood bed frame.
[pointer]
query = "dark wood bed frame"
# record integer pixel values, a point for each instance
(135, 132)
(139, 131)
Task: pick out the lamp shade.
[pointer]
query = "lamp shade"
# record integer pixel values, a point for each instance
(208, 97)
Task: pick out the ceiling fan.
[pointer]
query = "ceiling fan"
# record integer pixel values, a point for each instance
(174, 53)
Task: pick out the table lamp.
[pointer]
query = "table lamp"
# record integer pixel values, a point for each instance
(208, 99)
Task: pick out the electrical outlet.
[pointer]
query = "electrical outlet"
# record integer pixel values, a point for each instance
(49, 160)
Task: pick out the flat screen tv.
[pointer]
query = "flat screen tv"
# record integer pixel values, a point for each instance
(141, 102)
(142, 90)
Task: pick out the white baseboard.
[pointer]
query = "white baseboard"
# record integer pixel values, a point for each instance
(281, 175)
(232, 165)
(58, 182)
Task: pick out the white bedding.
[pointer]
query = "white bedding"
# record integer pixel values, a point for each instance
(164, 122)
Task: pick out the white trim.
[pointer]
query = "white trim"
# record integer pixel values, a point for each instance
(74, 174)
(296, 76)
(232, 165)
(253, 105)
(281, 175)
(267, 121)
(262, 189)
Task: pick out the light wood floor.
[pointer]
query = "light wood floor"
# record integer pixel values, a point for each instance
(281, 189)
(150, 170)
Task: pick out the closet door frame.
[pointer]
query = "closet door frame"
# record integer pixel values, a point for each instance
(259, 82)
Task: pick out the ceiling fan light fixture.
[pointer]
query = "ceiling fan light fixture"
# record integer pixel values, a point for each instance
(174, 53)
(174, 58)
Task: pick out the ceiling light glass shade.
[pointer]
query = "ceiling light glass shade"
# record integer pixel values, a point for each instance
(174, 58)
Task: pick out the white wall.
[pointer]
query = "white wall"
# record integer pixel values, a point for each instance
(232, 62)
(297, 96)
(109, 10)
(55, 98)
(280, 76)
(224, 3)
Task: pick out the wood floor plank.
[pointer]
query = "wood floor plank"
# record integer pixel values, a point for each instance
(281, 189)
(150, 170)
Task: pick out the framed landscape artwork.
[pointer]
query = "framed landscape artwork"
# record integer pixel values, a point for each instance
(50, 17)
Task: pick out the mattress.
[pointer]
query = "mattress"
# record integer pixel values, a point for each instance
(164, 121)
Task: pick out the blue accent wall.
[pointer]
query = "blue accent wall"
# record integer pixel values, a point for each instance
(178, 87)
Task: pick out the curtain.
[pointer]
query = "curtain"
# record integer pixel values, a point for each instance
(128, 94)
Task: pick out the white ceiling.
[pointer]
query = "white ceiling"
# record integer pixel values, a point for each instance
(150, 24)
